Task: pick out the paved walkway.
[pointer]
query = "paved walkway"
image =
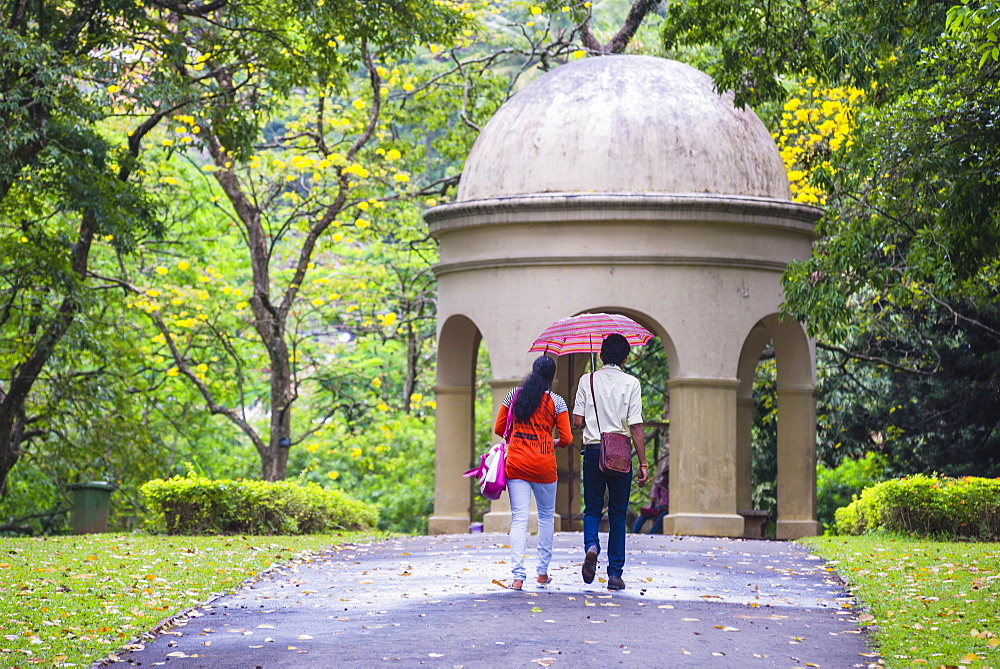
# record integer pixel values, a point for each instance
(441, 602)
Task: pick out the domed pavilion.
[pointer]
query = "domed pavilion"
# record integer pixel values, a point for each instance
(626, 184)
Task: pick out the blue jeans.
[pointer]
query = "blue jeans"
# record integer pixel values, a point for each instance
(545, 505)
(595, 482)
(657, 524)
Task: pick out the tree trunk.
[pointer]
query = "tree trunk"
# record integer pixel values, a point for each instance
(12, 404)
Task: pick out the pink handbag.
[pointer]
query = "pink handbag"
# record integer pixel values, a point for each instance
(491, 471)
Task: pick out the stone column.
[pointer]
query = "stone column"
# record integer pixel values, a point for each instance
(703, 458)
(797, 463)
(744, 452)
(454, 438)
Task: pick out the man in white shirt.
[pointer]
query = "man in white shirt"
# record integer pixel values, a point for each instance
(619, 400)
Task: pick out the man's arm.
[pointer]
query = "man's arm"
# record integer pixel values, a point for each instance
(639, 437)
(578, 421)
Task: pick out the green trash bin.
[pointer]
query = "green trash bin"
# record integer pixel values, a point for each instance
(91, 503)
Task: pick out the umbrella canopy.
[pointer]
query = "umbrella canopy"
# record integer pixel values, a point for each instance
(586, 332)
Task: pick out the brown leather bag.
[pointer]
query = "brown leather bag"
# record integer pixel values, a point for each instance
(616, 448)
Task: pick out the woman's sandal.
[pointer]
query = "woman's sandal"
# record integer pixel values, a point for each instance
(544, 579)
(516, 585)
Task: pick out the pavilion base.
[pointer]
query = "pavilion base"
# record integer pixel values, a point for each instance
(796, 529)
(704, 524)
(448, 525)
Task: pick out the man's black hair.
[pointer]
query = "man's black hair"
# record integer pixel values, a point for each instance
(615, 349)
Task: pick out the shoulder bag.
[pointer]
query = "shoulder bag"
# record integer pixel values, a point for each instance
(616, 448)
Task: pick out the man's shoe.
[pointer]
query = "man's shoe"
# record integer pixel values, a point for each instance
(590, 565)
(615, 583)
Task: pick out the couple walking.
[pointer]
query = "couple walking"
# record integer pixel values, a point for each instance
(531, 460)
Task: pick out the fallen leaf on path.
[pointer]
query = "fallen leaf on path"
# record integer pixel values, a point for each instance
(690, 620)
(545, 661)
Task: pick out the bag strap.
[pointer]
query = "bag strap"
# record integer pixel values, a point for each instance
(510, 415)
(597, 413)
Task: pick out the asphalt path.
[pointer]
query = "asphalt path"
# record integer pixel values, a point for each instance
(443, 601)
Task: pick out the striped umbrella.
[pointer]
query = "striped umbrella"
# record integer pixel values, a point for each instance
(586, 332)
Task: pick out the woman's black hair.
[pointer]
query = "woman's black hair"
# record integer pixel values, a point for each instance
(534, 386)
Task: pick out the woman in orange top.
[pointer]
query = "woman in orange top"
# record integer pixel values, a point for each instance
(531, 462)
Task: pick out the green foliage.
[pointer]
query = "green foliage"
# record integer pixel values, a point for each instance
(927, 506)
(386, 458)
(195, 505)
(838, 486)
(976, 25)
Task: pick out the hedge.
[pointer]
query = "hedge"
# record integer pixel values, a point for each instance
(195, 505)
(926, 506)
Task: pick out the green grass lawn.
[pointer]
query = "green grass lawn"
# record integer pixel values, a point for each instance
(931, 603)
(72, 600)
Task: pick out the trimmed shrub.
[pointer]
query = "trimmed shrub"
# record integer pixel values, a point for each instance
(195, 505)
(839, 486)
(926, 506)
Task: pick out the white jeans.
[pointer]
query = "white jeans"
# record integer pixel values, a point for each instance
(520, 502)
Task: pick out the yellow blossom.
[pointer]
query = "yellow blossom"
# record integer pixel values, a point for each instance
(382, 406)
(161, 270)
(318, 302)
(362, 223)
(184, 264)
(173, 371)
(377, 382)
(333, 475)
(202, 368)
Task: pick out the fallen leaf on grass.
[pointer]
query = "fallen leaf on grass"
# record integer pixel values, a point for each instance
(970, 657)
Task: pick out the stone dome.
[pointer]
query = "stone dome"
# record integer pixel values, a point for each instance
(623, 124)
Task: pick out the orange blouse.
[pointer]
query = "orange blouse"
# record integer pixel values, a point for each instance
(530, 450)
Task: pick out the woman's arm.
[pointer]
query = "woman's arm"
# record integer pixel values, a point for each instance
(501, 425)
(565, 433)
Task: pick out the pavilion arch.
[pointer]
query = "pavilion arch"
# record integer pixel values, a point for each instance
(455, 390)
(795, 364)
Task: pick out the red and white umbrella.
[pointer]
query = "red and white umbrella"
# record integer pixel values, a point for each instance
(585, 333)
